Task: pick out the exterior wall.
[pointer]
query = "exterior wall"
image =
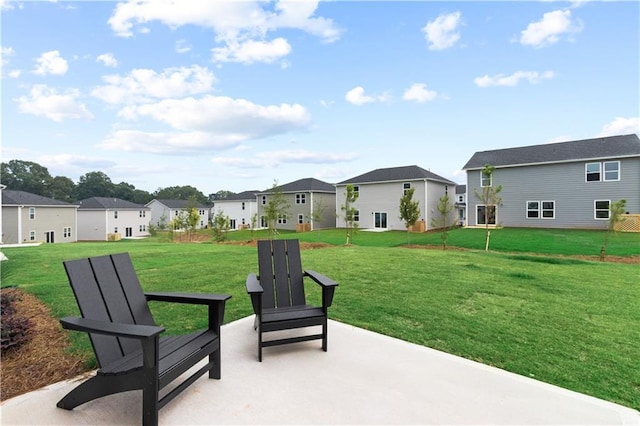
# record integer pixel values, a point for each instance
(313, 200)
(235, 211)
(159, 213)
(566, 185)
(95, 225)
(48, 220)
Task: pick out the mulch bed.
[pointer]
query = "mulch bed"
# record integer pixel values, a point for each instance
(43, 359)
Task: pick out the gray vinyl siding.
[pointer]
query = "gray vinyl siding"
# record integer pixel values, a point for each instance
(16, 225)
(92, 226)
(327, 200)
(563, 183)
(325, 203)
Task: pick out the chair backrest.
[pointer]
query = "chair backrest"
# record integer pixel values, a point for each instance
(107, 289)
(280, 271)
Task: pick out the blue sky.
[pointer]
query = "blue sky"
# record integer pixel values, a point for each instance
(237, 95)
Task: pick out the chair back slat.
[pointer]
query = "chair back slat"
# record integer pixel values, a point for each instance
(265, 268)
(101, 295)
(296, 282)
(280, 270)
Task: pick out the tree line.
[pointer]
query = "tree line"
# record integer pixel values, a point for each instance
(31, 177)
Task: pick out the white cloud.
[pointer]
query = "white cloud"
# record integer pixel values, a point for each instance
(225, 116)
(182, 46)
(251, 51)
(51, 63)
(550, 29)
(532, 77)
(108, 60)
(621, 126)
(5, 53)
(144, 85)
(235, 24)
(418, 92)
(276, 158)
(14, 73)
(442, 33)
(47, 102)
(357, 96)
(167, 143)
(66, 161)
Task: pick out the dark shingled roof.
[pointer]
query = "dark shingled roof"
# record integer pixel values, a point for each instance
(245, 195)
(392, 174)
(10, 197)
(108, 203)
(178, 204)
(587, 149)
(304, 185)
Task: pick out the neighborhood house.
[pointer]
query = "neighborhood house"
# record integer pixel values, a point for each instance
(108, 219)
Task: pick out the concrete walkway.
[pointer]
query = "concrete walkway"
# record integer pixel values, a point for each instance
(364, 378)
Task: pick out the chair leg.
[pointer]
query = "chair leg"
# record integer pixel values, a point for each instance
(94, 388)
(215, 372)
(259, 346)
(325, 339)
(150, 404)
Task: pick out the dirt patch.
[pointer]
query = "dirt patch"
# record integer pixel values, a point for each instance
(43, 359)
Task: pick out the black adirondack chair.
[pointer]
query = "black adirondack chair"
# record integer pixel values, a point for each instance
(129, 350)
(278, 297)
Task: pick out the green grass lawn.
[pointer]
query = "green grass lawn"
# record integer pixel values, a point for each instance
(560, 320)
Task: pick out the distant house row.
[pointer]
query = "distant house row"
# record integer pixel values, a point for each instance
(558, 185)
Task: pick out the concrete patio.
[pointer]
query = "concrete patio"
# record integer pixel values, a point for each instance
(364, 378)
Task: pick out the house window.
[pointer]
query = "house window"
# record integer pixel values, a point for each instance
(592, 172)
(201, 212)
(282, 219)
(485, 179)
(232, 223)
(32, 213)
(485, 215)
(601, 209)
(32, 235)
(263, 222)
(611, 170)
(115, 230)
(142, 213)
(461, 198)
(243, 221)
(242, 205)
(301, 198)
(356, 190)
(405, 187)
(264, 200)
(541, 209)
(142, 228)
(66, 231)
(300, 218)
(356, 215)
(115, 214)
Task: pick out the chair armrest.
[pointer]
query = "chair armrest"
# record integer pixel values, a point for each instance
(109, 328)
(191, 298)
(320, 279)
(253, 284)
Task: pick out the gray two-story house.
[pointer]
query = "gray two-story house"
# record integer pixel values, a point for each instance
(311, 205)
(109, 218)
(379, 193)
(557, 185)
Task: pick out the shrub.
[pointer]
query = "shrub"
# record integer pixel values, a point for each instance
(14, 329)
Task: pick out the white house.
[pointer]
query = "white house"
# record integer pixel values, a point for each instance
(108, 218)
(164, 211)
(241, 209)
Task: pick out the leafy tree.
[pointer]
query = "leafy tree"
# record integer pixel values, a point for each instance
(141, 197)
(192, 216)
(444, 208)
(489, 196)
(351, 225)
(124, 191)
(275, 209)
(220, 225)
(219, 195)
(26, 176)
(409, 210)
(180, 193)
(616, 210)
(254, 223)
(94, 184)
(62, 188)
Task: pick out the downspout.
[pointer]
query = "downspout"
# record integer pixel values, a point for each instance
(311, 211)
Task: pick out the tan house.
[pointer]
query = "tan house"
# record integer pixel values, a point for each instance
(31, 218)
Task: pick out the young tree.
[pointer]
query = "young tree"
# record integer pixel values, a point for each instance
(276, 208)
(616, 210)
(490, 197)
(319, 210)
(409, 210)
(254, 223)
(351, 225)
(444, 208)
(192, 217)
(219, 226)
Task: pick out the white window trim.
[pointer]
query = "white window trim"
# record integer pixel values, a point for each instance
(540, 209)
(586, 165)
(527, 210)
(604, 171)
(32, 213)
(482, 180)
(595, 216)
(485, 206)
(301, 198)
